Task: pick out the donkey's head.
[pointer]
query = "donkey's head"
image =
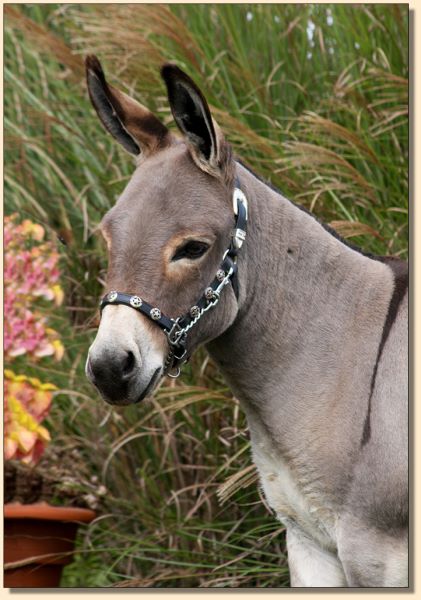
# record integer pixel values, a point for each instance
(166, 235)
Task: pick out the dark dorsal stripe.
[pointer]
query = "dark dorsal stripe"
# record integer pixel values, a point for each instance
(400, 271)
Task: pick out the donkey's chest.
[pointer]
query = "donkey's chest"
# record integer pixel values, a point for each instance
(292, 498)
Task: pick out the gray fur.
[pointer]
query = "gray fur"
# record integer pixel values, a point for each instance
(315, 349)
(311, 324)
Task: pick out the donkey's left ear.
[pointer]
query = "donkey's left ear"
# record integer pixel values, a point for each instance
(191, 113)
(130, 123)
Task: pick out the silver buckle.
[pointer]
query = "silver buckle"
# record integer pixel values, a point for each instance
(238, 236)
(175, 334)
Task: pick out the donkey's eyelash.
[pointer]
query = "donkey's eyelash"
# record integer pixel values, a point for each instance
(191, 250)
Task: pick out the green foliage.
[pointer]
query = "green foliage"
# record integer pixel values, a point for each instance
(330, 130)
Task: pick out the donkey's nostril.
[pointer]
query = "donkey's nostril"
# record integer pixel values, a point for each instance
(111, 368)
(129, 364)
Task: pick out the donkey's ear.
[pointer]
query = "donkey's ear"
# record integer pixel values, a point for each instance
(192, 115)
(133, 125)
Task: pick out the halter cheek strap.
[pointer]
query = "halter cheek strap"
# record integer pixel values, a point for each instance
(176, 330)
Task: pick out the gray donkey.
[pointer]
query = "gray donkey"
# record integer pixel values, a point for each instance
(309, 332)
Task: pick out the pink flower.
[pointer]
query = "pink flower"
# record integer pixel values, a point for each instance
(31, 272)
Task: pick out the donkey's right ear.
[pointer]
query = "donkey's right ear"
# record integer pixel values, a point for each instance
(130, 123)
(191, 113)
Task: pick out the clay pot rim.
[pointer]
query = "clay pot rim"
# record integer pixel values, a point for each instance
(43, 510)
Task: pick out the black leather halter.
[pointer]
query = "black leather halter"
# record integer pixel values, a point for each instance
(176, 329)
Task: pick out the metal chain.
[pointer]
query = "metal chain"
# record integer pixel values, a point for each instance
(182, 332)
(177, 335)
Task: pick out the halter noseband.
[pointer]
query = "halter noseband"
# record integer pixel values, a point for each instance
(176, 330)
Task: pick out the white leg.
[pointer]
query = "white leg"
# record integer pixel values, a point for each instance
(371, 557)
(309, 564)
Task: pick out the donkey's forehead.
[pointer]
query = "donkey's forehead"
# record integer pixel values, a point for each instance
(173, 169)
(169, 182)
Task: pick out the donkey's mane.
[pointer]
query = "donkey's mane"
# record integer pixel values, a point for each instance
(329, 229)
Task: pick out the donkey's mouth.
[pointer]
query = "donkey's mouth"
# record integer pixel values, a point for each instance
(150, 387)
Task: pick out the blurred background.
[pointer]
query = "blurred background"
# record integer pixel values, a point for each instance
(314, 98)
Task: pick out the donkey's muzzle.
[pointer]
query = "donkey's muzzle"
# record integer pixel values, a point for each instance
(114, 375)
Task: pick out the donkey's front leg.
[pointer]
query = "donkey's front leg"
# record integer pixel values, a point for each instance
(372, 557)
(309, 564)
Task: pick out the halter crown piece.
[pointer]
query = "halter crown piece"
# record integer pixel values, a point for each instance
(176, 330)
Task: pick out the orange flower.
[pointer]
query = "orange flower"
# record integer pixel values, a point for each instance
(27, 403)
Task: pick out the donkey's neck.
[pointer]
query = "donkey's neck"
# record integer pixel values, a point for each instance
(306, 302)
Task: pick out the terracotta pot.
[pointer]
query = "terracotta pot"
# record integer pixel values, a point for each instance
(38, 542)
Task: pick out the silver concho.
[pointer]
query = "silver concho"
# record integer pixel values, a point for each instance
(112, 296)
(135, 301)
(194, 311)
(155, 314)
(209, 293)
(220, 275)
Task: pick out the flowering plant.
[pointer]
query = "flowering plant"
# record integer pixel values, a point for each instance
(27, 402)
(31, 273)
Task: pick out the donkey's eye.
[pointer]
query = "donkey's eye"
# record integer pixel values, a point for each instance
(191, 250)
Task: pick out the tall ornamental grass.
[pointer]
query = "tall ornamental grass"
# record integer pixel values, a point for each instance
(314, 99)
